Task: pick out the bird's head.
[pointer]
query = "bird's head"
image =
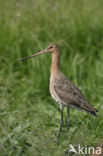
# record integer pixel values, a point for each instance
(51, 48)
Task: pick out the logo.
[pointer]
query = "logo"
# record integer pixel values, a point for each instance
(85, 150)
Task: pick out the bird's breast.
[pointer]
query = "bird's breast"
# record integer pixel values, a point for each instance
(55, 95)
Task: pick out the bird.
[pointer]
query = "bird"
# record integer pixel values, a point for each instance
(62, 90)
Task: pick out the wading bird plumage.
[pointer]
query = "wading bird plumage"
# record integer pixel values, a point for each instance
(62, 90)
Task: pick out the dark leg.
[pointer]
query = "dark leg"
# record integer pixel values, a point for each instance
(61, 125)
(68, 121)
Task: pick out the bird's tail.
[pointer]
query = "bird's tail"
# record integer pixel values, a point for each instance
(93, 111)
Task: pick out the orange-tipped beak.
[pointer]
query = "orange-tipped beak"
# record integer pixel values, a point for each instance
(39, 53)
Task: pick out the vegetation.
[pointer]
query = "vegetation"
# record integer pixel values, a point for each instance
(29, 117)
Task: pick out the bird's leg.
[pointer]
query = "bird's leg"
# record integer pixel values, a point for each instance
(68, 121)
(61, 125)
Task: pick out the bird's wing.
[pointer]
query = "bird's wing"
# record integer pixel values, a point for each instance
(71, 95)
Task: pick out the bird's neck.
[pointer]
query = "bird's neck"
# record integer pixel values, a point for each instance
(55, 66)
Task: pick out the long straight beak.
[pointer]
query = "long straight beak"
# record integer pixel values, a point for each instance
(39, 53)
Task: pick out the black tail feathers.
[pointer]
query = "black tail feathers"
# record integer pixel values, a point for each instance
(94, 112)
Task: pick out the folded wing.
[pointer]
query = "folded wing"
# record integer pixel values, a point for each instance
(71, 95)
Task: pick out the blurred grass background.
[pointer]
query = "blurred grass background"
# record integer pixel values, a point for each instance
(29, 118)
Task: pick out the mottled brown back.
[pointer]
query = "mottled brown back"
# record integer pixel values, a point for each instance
(70, 94)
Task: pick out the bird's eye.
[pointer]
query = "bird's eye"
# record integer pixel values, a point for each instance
(50, 47)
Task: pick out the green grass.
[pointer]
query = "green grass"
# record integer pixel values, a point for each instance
(29, 118)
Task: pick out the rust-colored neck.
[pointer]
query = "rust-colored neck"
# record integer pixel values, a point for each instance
(55, 66)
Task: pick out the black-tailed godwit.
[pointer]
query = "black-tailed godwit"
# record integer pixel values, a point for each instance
(63, 91)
